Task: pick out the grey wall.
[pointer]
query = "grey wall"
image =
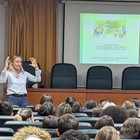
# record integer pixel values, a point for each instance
(3, 38)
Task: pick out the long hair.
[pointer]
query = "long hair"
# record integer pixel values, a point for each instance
(10, 67)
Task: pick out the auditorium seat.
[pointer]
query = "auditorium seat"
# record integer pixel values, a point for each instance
(4, 131)
(84, 125)
(15, 125)
(80, 114)
(6, 137)
(4, 118)
(26, 66)
(99, 77)
(90, 132)
(91, 120)
(131, 78)
(64, 75)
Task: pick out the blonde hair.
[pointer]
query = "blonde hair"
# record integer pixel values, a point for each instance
(107, 133)
(128, 105)
(26, 132)
(23, 115)
(10, 67)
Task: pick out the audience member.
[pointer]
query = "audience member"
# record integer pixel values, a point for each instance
(50, 122)
(46, 109)
(24, 115)
(107, 133)
(90, 104)
(130, 129)
(37, 107)
(70, 100)
(104, 121)
(46, 98)
(67, 122)
(62, 109)
(77, 107)
(31, 133)
(118, 114)
(136, 101)
(132, 113)
(6, 108)
(128, 105)
(74, 135)
(96, 111)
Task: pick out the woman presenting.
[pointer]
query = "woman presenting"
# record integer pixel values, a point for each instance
(17, 78)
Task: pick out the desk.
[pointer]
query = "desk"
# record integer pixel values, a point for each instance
(81, 94)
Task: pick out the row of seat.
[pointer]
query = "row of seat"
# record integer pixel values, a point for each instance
(64, 75)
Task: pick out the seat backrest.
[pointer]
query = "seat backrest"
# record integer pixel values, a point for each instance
(84, 125)
(131, 78)
(15, 125)
(30, 69)
(91, 120)
(4, 118)
(90, 132)
(99, 77)
(4, 131)
(64, 75)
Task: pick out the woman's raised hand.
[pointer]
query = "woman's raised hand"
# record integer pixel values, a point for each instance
(7, 61)
(34, 63)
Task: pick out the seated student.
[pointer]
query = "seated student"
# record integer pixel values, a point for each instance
(37, 107)
(74, 135)
(70, 101)
(107, 133)
(24, 115)
(130, 129)
(128, 105)
(136, 101)
(46, 109)
(31, 133)
(67, 122)
(62, 109)
(50, 122)
(90, 104)
(118, 114)
(132, 113)
(46, 98)
(104, 121)
(6, 108)
(77, 107)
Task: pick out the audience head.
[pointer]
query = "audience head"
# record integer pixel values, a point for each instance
(130, 129)
(24, 115)
(46, 109)
(136, 101)
(96, 111)
(107, 133)
(70, 100)
(77, 107)
(46, 98)
(118, 114)
(132, 113)
(67, 122)
(90, 104)
(104, 121)
(74, 135)
(62, 109)
(6, 108)
(50, 122)
(31, 133)
(37, 107)
(103, 102)
(128, 105)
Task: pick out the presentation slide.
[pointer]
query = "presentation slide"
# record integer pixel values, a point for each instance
(109, 38)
